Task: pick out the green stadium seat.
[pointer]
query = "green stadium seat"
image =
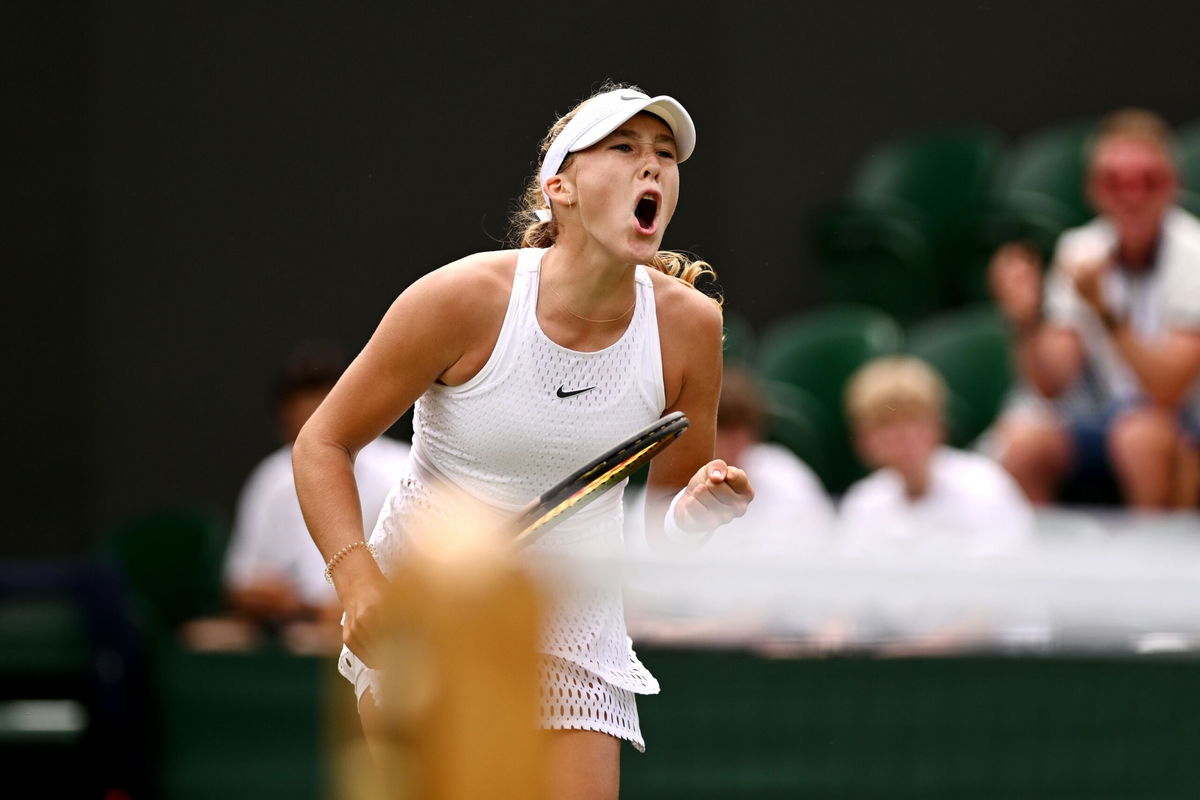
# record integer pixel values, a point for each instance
(171, 562)
(933, 186)
(970, 348)
(1038, 193)
(816, 352)
(941, 175)
(1043, 176)
(1188, 146)
(876, 258)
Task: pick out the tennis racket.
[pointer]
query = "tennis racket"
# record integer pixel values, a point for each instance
(589, 482)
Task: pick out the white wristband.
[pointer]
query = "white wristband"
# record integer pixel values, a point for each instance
(677, 534)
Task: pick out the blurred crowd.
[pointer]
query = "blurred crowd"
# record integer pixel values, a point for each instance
(1102, 338)
(867, 433)
(273, 574)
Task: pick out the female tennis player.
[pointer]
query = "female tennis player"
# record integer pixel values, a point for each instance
(522, 363)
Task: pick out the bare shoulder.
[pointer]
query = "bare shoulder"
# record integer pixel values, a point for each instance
(472, 284)
(449, 319)
(690, 329)
(685, 309)
(450, 307)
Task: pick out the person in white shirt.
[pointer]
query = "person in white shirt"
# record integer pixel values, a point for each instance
(792, 517)
(1121, 311)
(926, 504)
(924, 497)
(274, 574)
(791, 510)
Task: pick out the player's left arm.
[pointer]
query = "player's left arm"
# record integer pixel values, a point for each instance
(714, 492)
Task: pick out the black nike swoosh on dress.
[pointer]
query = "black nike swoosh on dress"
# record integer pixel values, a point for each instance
(573, 392)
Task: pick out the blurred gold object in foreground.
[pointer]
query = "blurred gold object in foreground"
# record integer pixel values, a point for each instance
(459, 672)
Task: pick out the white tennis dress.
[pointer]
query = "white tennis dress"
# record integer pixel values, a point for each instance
(535, 412)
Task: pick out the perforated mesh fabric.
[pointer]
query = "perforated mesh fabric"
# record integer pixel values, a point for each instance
(509, 434)
(571, 698)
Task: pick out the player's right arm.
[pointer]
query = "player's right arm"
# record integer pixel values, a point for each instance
(441, 328)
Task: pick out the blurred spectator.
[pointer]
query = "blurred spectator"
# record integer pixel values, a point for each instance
(791, 510)
(791, 515)
(924, 497)
(274, 573)
(926, 503)
(1114, 341)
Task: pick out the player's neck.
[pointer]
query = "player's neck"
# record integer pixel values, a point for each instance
(588, 283)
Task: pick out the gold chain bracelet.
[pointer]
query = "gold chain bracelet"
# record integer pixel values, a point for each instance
(340, 554)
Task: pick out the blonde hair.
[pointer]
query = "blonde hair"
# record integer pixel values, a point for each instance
(1135, 123)
(526, 230)
(894, 386)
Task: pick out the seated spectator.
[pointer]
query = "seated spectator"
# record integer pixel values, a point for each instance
(1120, 313)
(791, 510)
(924, 497)
(274, 573)
(927, 504)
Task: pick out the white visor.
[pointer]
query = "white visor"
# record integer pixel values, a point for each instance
(601, 115)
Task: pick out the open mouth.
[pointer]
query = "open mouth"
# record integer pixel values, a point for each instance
(646, 211)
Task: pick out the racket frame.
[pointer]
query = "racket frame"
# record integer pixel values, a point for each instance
(590, 481)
